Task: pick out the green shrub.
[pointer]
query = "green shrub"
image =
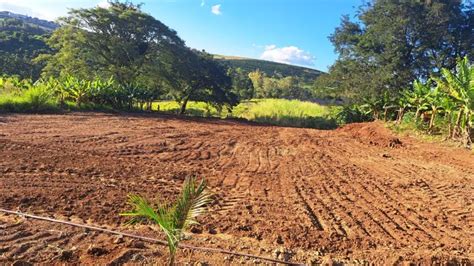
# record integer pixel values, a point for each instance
(39, 98)
(351, 114)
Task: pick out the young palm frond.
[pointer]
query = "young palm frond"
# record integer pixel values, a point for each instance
(172, 220)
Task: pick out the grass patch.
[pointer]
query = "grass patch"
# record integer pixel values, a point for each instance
(35, 99)
(419, 129)
(281, 112)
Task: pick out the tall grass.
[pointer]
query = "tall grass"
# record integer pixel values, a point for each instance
(201, 109)
(292, 113)
(34, 99)
(283, 112)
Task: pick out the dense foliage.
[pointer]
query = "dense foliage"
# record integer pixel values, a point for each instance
(393, 43)
(139, 58)
(20, 43)
(440, 104)
(69, 92)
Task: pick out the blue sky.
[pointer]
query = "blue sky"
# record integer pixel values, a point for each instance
(288, 31)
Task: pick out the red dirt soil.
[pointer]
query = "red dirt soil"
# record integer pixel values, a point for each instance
(352, 195)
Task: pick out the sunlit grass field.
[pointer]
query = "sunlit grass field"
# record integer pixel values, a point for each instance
(269, 111)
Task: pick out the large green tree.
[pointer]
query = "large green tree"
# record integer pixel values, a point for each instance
(192, 75)
(393, 42)
(120, 41)
(242, 86)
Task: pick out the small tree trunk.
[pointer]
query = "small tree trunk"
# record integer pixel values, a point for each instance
(376, 115)
(450, 124)
(401, 112)
(183, 106)
(467, 130)
(457, 127)
(432, 120)
(385, 114)
(417, 114)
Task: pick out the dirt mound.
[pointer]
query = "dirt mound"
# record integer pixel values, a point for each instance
(303, 194)
(373, 133)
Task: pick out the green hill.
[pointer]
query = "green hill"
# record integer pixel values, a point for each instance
(30, 21)
(22, 38)
(269, 68)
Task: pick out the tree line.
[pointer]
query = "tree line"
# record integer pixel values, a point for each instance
(138, 53)
(123, 48)
(391, 43)
(407, 57)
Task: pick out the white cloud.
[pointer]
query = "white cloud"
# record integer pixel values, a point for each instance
(47, 9)
(23, 9)
(216, 9)
(104, 4)
(288, 55)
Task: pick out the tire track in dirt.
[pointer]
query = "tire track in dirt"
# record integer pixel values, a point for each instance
(416, 219)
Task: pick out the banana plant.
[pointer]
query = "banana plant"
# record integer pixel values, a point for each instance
(460, 87)
(403, 103)
(419, 97)
(372, 106)
(449, 107)
(174, 219)
(388, 103)
(77, 90)
(434, 98)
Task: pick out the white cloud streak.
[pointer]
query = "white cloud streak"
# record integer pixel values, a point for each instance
(104, 4)
(287, 55)
(216, 10)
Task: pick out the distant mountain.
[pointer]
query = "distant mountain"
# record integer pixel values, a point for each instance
(33, 22)
(269, 68)
(22, 38)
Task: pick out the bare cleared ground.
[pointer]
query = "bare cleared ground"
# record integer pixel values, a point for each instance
(352, 195)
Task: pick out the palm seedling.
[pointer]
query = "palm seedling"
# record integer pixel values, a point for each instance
(174, 219)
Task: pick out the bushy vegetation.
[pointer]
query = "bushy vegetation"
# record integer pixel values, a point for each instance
(352, 114)
(69, 93)
(440, 105)
(391, 43)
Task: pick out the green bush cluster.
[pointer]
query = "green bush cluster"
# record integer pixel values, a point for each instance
(70, 93)
(352, 114)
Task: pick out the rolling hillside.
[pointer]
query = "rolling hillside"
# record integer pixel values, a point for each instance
(22, 38)
(30, 21)
(268, 67)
